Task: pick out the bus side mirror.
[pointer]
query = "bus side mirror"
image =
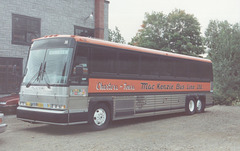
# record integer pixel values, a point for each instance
(79, 70)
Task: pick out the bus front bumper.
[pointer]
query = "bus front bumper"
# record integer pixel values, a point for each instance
(55, 117)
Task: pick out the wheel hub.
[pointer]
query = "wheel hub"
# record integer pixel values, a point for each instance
(99, 117)
(199, 105)
(191, 105)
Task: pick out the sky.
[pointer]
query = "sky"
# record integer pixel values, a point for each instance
(128, 15)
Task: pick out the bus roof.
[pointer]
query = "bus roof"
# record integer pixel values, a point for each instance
(128, 47)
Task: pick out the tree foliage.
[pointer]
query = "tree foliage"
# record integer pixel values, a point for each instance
(115, 36)
(152, 33)
(223, 42)
(176, 32)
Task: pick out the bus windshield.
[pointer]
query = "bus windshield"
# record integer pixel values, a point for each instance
(48, 66)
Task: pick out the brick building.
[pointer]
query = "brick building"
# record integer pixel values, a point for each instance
(24, 20)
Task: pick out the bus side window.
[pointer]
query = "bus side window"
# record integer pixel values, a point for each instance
(80, 63)
(166, 67)
(103, 61)
(149, 65)
(129, 63)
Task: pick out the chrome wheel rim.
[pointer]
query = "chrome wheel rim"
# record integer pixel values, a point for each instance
(199, 105)
(99, 117)
(191, 106)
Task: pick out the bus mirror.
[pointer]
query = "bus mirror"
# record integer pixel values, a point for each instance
(79, 70)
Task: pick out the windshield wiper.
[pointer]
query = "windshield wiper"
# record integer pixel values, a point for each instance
(38, 74)
(46, 79)
(64, 69)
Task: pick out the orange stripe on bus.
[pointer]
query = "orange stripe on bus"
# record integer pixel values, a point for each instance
(127, 86)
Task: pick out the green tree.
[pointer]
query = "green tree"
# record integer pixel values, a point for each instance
(152, 34)
(223, 42)
(184, 33)
(176, 32)
(115, 36)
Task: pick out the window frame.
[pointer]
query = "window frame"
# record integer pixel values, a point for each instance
(25, 31)
(88, 30)
(87, 56)
(169, 67)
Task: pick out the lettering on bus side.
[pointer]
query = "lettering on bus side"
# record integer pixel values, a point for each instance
(199, 87)
(147, 86)
(165, 86)
(179, 87)
(102, 87)
(115, 85)
(128, 87)
(159, 86)
(190, 87)
(109, 86)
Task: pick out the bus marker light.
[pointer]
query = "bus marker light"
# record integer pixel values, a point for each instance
(40, 105)
(28, 104)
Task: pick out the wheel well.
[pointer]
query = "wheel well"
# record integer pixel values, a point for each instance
(203, 98)
(196, 97)
(108, 103)
(189, 97)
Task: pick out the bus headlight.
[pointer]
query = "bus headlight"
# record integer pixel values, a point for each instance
(56, 106)
(22, 103)
(42, 105)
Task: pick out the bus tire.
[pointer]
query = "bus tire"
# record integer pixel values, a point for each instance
(190, 107)
(99, 117)
(200, 106)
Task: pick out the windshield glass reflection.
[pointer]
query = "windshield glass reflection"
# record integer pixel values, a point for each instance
(48, 66)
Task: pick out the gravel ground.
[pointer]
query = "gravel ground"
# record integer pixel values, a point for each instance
(218, 129)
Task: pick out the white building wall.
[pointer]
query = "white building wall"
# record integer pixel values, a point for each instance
(57, 17)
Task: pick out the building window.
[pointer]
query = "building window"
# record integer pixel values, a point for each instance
(24, 29)
(82, 31)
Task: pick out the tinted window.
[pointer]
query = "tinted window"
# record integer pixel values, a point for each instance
(80, 60)
(149, 65)
(181, 68)
(103, 60)
(206, 71)
(166, 67)
(196, 70)
(129, 63)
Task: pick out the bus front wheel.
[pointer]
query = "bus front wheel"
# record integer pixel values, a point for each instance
(99, 117)
(190, 106)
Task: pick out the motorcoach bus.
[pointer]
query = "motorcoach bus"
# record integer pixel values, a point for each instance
(71, 80)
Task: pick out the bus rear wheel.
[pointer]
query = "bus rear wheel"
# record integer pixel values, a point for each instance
(190, 107)
(99, 117)
(199, 106)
